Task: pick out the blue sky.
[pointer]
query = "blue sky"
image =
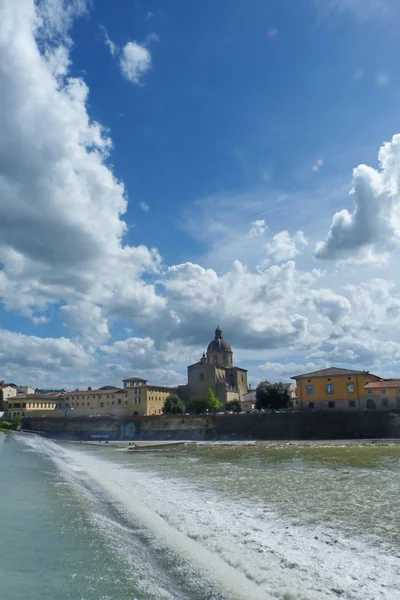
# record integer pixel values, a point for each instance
(165, 167)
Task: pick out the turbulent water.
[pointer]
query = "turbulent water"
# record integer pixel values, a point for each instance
(200, 522)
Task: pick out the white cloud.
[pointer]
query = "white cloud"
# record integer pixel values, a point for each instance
(259, 310)
(32, 352)
(258, 228)
(113, 48)
(135, 61)
(144, 206)
(284, 246)
(284, 371)
(62, 231)
(373, 228)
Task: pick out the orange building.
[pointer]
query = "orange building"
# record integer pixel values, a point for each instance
(333, 388)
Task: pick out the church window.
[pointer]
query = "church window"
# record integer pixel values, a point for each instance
(215, 358)
(201, 376)
(225, 359)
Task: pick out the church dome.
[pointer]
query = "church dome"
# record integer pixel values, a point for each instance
(218, 344)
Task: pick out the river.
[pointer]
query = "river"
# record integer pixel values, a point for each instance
(198, 522)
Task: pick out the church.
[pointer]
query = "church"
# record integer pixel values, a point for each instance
(216, 370)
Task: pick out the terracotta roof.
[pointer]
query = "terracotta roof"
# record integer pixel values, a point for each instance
(135, 379)
(388, 383)
(331, 371)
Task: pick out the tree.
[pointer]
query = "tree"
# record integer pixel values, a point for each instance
(196, 405)
(16, 422)
(271, 395)
(173, 405)
(234, 406)
(213, 402)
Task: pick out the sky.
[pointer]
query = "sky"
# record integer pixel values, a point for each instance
(167, 167)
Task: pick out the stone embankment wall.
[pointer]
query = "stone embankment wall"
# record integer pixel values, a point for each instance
(319, 425)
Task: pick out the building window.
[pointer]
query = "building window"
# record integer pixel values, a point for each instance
(383, 391)
(215, 359)
(385, 403)
(310, 390)
(137, 400)
(87, 403)
(331, 404)
(201, 376)
(330, 389)
(370, 392)
(309, 380)
(101, 404)
(225, 359)
(352, 403)
(311, 405)
(349, 378)
(126, 401)
(113, 402)
(350, 388)
(119, 400)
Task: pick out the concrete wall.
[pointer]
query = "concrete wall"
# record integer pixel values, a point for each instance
(271, 426)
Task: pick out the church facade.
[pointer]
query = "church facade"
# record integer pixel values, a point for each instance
(216, 370)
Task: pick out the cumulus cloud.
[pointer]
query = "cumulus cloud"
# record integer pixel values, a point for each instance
(372, 230)
(42, 353)
(135, 62)
(61, 209)
(284, 247)
(263, 310)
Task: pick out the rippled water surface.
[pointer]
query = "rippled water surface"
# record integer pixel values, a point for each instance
(198, 522)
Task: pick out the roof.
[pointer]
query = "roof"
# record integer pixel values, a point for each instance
(218, 344)
(332, 371)
(95, 392)
(135, 379)
(108, 387)
(384, 383)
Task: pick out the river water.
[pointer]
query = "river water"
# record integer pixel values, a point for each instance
(199, 522)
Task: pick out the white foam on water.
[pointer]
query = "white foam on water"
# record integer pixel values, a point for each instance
(244, 547)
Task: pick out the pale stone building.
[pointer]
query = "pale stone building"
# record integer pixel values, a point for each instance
(215, 370)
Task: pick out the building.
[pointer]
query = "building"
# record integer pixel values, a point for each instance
(25, 389)
(249, 401)
(384, 394)
(34, 405)
(7, 390)
(215, 370)
(137, 397)
(147, 399)
(333, 388)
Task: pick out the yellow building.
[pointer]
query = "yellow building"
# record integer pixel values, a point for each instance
(137, 397)
(333, 388)
(147, 399)
(384, 394)
(34, 405)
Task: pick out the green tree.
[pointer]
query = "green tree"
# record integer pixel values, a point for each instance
(16, 422)
(272, 395)
(234, 406)
(173, 405)
(196, 405)
(213, 402)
